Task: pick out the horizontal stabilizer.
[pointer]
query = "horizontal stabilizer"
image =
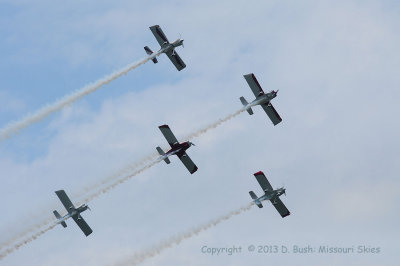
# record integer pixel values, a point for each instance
(150, 52)
(58, 216)
(245, 104)
(162, 153)
(255, 198)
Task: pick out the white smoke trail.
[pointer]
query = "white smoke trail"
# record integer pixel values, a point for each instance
(26, 240)
(29, 230)
(47, 219)
(113, 181)
(128, 168)
(214, 125)
(16, 126)
(195, 134)
(24, 234)
(177, 239)
(114, 184)
(44, 219)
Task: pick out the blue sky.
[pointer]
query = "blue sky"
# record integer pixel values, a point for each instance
(335, 65)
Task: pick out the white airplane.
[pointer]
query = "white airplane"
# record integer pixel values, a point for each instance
(166, 47)
(263, 99)
(74, 213)
(269, 194)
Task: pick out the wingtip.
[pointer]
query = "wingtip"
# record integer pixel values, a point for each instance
(259, 173)
(163, 126)
(194, 170)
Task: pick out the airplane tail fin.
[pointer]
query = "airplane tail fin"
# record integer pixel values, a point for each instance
(58, 216)
(162, 153)
(245, 104)
(254, 197)
(150, 52)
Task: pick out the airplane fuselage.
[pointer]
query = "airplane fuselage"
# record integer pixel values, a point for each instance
(270, 195)
(74, 212)
(167, 47)
(181, 147)
(176, 149)
(263, 98)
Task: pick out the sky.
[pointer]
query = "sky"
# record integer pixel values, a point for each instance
(335, 64)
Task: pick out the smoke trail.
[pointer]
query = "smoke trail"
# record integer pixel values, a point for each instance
(152, 163)
(128, 168)
(115, 180)
(214, 125)
(26, 241)
(49, 219)
(45, 219)
(118, 182)
(15, 127)
(44, 222)
(177, 239)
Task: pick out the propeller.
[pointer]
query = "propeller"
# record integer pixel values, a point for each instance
(89, 208)
(180, 37)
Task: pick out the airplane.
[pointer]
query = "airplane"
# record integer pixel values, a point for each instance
(269, 194)
(166, 47)
(178, 149)
(263, 99)
(74, 213)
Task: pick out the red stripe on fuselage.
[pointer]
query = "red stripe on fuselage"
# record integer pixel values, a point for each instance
(183, 146)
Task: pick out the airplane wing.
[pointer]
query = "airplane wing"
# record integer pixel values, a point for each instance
(159, 34)
(169, 136)
(65, 200)
(272, 113)
(188, 162)
(280, 207)
(82, 225)
(254, 85)
(176, 60)
(263, 181)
